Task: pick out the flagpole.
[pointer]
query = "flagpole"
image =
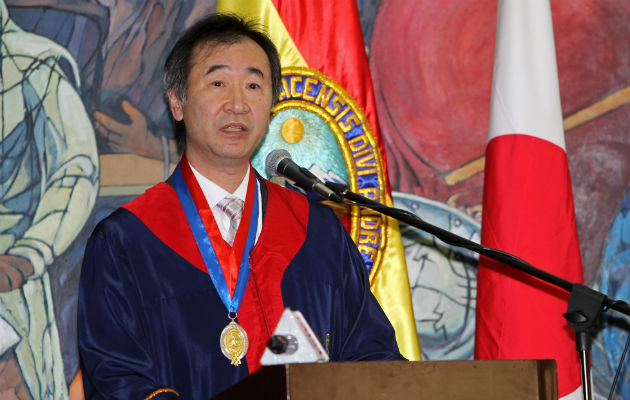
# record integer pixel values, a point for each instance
(584, 306)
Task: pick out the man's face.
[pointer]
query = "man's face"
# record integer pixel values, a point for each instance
(228, 103)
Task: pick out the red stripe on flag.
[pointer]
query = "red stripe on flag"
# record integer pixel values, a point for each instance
(528, 211)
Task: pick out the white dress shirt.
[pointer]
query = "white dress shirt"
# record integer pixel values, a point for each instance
(215, 193)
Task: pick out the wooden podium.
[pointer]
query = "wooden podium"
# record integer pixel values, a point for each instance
(400, 380)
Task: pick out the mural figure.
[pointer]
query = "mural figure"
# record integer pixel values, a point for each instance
(610, 341)
(443, 279)
(48, 185)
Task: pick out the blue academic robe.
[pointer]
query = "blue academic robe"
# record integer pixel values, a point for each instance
(150, 318)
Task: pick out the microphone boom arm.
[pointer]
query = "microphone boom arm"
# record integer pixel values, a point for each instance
(459, 241)
(584, 305)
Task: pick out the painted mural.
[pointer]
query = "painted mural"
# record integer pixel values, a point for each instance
(85, 129)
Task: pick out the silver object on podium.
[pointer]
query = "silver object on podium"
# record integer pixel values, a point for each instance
(293, 341)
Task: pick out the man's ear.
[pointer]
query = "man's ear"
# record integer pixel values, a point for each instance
(175, 104)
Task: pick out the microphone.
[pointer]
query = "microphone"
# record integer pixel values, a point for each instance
(279, 344)
(279, 162)
(293, 341)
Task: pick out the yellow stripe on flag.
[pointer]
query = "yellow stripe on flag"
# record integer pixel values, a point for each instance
(265, 12)
(390, 286)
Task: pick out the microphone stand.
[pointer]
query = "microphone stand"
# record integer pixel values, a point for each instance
(585, 304)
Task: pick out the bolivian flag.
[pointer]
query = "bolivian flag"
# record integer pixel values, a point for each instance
(326, 118)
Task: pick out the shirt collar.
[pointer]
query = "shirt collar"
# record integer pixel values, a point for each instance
(215, 193)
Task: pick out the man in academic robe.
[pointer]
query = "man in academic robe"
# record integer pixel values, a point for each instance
(182, 288)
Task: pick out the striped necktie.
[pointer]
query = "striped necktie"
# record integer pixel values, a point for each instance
(233, 208)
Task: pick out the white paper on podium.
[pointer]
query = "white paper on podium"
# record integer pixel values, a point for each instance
(309, 348)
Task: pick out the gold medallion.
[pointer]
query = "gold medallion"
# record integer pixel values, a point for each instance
(234, 342)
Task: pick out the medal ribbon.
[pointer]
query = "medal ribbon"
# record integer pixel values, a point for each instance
(208, 237)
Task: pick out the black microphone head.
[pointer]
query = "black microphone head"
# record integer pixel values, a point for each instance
(273, 161)
(278, 344)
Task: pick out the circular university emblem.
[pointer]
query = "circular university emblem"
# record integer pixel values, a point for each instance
(326, 132)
